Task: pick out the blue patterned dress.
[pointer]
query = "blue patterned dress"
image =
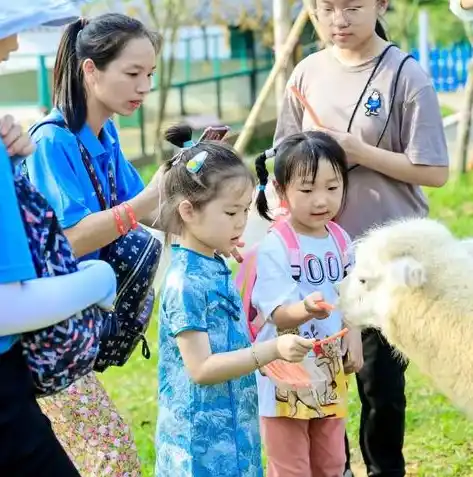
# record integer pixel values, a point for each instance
(204, 431)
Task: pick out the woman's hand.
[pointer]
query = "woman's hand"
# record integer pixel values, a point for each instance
(16, 141)
(152, 200)
(155, 187)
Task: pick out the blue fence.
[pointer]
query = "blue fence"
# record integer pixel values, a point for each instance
(449, 66)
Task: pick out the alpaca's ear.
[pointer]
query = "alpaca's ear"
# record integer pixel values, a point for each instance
(408, 272)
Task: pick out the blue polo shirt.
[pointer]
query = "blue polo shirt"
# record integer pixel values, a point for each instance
(57, 170)
(16, 263)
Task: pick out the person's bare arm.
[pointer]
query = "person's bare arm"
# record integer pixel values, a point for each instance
(466, 4)
(100, 229)
(206, 368)
(286, 317)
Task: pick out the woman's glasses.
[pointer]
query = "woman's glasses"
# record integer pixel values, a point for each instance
(352, 15)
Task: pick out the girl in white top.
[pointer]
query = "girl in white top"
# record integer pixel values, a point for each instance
(303, 431)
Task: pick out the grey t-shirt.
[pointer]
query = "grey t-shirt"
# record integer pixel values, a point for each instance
(414, 128)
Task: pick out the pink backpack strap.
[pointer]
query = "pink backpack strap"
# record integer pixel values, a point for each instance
(288, 236)
(338, 235)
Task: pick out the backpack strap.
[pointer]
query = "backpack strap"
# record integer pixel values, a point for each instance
(338, 235)
(22, 163)
(87, 161)
(57, 122)
(288, 236)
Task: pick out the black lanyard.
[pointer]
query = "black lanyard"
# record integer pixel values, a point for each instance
(87, 161)
(95, 180)
(393, 96)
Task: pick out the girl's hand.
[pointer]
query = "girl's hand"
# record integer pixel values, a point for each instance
(234, 253)
(315, 306)
(16, 141)
(352, 347)
(353, 146)
(293, 348)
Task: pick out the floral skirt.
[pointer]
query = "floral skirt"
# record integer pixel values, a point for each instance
(91, 431)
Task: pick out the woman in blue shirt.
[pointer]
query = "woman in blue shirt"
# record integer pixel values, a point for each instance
(28, 447)
(103, 67)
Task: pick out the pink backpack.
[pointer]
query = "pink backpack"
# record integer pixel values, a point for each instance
(246, 276)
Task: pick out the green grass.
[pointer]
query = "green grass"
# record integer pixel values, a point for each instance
(439, 440)
(133, 389)
(446, 111)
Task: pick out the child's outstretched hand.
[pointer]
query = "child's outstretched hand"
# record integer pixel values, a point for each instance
(293, 348)
(352, 348)
(316, 306)
(234, 253)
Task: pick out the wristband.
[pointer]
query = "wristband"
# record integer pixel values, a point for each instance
(131, 215)
(118, 221)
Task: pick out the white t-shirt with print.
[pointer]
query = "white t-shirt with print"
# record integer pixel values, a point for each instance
(322, 267)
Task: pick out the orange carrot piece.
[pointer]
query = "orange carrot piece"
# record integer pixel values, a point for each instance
(307, 106)
(332, 338)
(325, 306)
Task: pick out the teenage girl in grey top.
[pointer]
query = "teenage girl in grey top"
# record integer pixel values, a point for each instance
(384, 111)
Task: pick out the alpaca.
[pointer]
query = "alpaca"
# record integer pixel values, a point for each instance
(413, 280)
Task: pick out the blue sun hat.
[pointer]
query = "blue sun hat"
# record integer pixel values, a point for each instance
(18, 16)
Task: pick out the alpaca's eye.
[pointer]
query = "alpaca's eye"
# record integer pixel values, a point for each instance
(362, 281)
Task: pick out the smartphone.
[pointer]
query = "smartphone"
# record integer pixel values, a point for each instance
(214, 133)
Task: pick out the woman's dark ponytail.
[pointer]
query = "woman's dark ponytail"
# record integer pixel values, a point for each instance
(380, 31)
(262, 173)
(68, 88)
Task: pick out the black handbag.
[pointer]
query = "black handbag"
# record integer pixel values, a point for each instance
(135, 259)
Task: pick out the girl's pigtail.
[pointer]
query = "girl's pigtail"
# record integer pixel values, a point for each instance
(380, 31)
(262, 174)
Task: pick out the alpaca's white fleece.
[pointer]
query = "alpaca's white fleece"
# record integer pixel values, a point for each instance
(414, 281)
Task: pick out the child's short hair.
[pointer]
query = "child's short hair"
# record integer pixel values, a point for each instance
(198, 173)
(299, 155)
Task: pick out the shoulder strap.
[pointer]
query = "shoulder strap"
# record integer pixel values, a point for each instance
(87, 164)
(393, 95)
(288, 236)
(338, 235)
(367, 85)
(57, 122)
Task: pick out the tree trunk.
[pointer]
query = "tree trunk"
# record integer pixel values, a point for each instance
(464, 127)
(165, 80)
(282, 20)
(167, 20)
(250, 124)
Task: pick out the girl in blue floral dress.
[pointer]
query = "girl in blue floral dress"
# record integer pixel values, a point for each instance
(208, 409)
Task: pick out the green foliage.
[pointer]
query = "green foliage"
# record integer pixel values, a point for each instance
(445, 28)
